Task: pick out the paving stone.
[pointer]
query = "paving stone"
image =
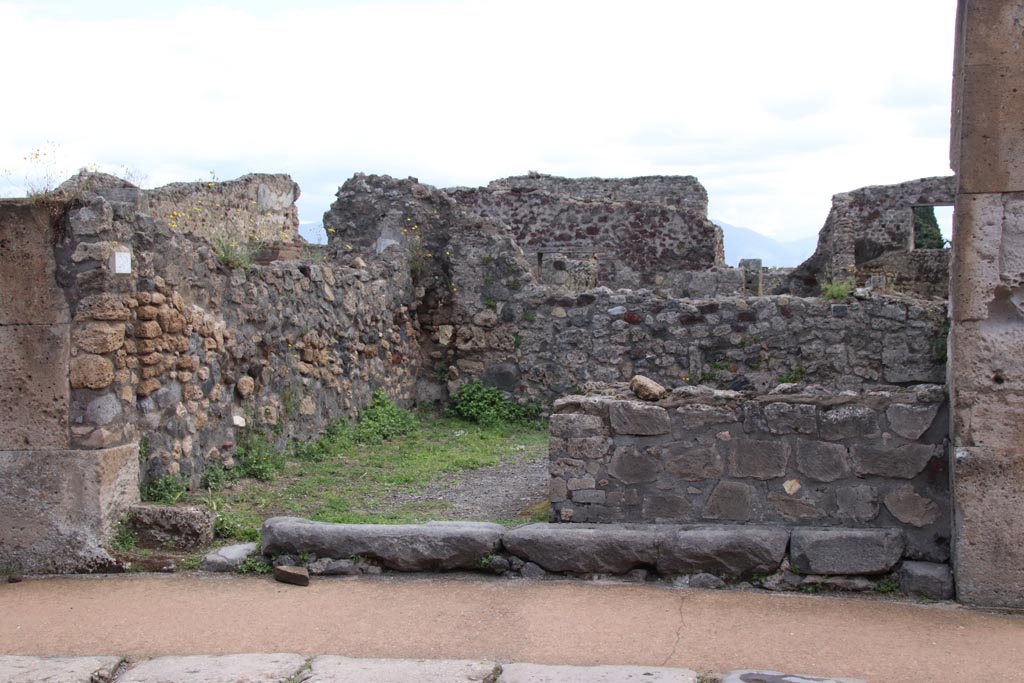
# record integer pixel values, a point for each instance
(927, 579)
(750, 676)
(405, 547)
(228, 558)
(242, 668)
(845, 551)
(727, 551)
(583, 549)
(541, 673)
(17, 669)
(336, 669)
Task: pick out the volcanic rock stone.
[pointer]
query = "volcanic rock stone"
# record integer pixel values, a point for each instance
(727, 551)
(544, 673)
(89, 371)
(752, 676)
(583, 549)
(337, 669)
(171, 527)
(245, 668)
(927, 579)
(845, 551)
(227, 559)
(18, 669)
(405, 547)
(632, 417)
(909, 507)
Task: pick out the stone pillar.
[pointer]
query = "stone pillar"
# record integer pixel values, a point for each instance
(58, 504)
(986, 359)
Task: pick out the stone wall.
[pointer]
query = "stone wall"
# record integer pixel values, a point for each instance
(922, 273)
(874, 458)
(635, 229)
(865, 224)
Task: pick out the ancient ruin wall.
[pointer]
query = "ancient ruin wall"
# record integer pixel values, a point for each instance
(866, 224)
(187, 354)
(631, 235)
(871, 459)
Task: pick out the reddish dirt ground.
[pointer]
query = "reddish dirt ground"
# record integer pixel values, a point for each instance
(569, 622)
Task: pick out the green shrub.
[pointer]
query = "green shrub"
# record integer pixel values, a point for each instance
(797, 374)
(258, 457)
(124, 537)
(254, 564)
(477, 402)
(229, 526)
(382, 420)
(168, 490)
(215, 477)
(836, 290)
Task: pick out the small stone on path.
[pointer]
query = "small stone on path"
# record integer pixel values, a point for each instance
(297, 576)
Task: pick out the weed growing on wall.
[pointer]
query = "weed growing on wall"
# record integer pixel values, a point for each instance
(258, 456)
(166, 490)
(836, 290)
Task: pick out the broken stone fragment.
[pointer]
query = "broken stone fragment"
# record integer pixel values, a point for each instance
(296, 576)
(647, 389)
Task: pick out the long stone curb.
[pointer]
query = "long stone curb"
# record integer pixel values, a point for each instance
(731, 551)
(295, 668)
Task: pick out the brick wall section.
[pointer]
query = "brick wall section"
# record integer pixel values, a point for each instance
(867, 459)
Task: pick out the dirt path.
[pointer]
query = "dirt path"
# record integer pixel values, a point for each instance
(570, 622)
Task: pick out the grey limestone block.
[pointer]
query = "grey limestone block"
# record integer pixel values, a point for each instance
(727, 551)
(927, 579)
(582, 549)
(405, 547)
(845, 551)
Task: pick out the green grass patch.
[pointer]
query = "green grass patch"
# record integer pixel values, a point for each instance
(358, 474)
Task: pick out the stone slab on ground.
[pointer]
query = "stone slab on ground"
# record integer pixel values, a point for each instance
(243, 668)
(405, 547)
(927, 579)
(335, 669)
(607, 549)
(749, 676)
(17, 669)
(845, 551)
(728, 551)
(541, 673)
(228, 558)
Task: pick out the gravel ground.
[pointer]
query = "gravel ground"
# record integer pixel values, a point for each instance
(512, 489)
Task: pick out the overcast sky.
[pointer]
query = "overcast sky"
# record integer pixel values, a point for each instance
(774, 106)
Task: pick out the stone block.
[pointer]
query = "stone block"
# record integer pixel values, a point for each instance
(29, 294)
(98, 336)
(845, 551)
(89, 371)
(758, 459)
(930, 580)
(34, 387)
(726, 551)
(903, 362)
(633, 417)
(911, 421)
(693, 462)
(991, 146)
(60, 507)
(559, 673)
(646, 389)
(822, 461)
(296, 576)
(733, 501)
(856, 503)
(793, 509)
(583, 549)
(228, 558)
(172, 527)
(848, 420)
(634, 466)
(910, 507)
(988, 541)
(661, 507)
(104, 306)
(576, 425)
(246, 668)
(695, 416)
(975, 272)
(590, 448)
(992, 33)
(434, 546)
(19, 669)
(791, 418)
(337, 669)
(754, 676)
(147, 329)
(903, 462)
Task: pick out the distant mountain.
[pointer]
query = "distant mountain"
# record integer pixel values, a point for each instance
(741, 243)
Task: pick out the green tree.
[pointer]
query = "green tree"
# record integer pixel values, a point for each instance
(926, 229)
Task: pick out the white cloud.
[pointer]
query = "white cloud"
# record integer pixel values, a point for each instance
(774, 106)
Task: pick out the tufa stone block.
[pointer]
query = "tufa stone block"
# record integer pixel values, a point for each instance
(845, 551)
